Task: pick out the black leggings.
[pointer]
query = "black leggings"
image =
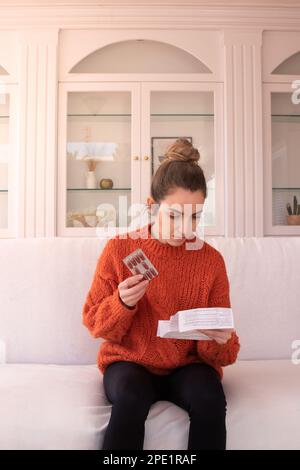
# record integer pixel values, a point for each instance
(132, 389)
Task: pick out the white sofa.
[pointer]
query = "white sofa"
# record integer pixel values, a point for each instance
(51, 393)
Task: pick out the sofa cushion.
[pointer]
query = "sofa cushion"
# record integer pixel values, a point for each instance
(65, 407)
(264, 404)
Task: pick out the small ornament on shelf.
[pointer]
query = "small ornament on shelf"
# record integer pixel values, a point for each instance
(293, 217)
(106, 217)
(106, 183)
(92, 218)
(86, 218)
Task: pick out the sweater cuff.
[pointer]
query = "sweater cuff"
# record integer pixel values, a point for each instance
(124, 306)
(220, 348)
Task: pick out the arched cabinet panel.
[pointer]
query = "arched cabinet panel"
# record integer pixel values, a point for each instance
(101, 55)
(140, 56)
(289, 66)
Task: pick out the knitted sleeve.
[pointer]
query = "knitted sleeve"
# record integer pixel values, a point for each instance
(104, 313)
(211, 351)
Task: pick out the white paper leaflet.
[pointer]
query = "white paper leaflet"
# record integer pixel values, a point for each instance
(185, 324)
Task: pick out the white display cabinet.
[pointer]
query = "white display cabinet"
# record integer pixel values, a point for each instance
(114, 128)
(282, 141)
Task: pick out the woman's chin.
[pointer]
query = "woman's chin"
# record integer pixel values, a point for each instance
(177, 241)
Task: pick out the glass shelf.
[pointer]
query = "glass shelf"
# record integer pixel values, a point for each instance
(97, 114)
(153, 114)
(99, 189)
(126, 118)
(182, 114)
(286, 189)
(103, 118)
(286, 118)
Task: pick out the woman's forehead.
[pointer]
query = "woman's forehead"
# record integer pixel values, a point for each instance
(182, 208)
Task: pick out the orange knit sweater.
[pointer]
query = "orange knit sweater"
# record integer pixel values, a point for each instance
(186, 279)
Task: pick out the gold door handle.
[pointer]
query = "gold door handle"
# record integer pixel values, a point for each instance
(146, 157)
(136, 157)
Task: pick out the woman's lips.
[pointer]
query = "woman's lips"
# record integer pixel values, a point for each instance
(184, 239)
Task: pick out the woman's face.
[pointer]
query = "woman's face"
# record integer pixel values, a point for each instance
(178, 216)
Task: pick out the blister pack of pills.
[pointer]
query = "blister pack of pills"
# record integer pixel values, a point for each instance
(138, 263)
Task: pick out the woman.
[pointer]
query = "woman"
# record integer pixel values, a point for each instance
(138, 367)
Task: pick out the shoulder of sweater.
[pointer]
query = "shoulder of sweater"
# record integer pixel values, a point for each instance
(212, 251)
(216, 256)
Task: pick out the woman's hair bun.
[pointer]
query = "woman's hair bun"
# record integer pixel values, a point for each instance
(182, 150)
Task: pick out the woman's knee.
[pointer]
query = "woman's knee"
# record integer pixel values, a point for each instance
(209, 398)
(136, 393)
(207, 392)
(130, 385)
(134, 403)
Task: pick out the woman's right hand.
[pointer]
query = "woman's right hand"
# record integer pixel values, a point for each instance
(132, 289)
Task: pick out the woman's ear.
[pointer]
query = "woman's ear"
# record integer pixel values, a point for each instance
(152, 206)
(150, 201)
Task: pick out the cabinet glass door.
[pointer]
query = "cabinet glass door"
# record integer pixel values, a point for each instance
(193, 111)
(285, 144)
(4, 158)
(100, 165)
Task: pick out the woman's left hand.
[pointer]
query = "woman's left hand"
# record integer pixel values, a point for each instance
(221, 336)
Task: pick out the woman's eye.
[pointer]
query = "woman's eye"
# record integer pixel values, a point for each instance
(195, 217)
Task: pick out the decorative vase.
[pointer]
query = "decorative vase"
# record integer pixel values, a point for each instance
(293, 219)
(91, 182)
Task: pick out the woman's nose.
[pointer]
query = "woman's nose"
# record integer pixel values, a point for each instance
(188, 230)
